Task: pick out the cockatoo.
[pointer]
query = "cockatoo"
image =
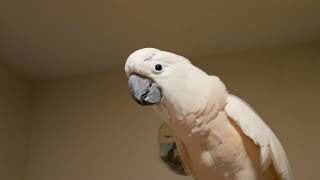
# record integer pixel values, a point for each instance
(218, 135)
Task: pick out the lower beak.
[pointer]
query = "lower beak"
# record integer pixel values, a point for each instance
(144, 91)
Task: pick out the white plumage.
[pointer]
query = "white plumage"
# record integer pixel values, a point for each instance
(218, 135)
(271, 150)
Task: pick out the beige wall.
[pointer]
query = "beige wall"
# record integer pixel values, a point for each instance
(14, 116)
(88, 127)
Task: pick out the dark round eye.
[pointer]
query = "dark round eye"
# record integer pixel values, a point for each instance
(158, 67)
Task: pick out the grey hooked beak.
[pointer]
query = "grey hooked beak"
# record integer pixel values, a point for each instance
(144, 90)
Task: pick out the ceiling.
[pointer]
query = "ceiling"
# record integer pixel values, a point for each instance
(56, 38)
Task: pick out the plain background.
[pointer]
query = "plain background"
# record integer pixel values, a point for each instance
(88, 127)
(15, 122)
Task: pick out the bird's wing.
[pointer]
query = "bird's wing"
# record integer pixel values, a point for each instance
(271, 150)
(185, 158)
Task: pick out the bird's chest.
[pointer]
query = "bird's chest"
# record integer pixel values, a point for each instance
(214, 148)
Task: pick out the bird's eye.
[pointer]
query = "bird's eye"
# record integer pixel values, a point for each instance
(158, 67)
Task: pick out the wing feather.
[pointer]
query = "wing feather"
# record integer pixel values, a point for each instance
(186, 161)
(255, 128)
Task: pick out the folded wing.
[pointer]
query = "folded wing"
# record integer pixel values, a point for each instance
(271, 150)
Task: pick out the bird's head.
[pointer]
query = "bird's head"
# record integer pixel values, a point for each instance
(157, 76)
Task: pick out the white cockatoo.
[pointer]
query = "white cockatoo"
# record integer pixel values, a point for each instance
(218, 135)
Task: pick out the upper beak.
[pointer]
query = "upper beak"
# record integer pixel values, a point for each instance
(144, 90)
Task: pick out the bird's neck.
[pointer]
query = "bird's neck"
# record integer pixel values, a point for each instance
(203, 99)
